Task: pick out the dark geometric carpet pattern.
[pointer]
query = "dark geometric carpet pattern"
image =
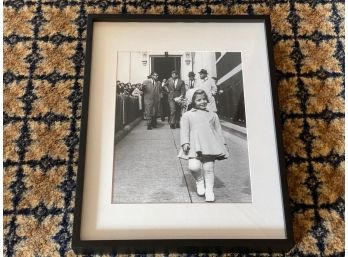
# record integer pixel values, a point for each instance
(44, 53)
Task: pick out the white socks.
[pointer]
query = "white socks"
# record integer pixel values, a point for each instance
(209, 185)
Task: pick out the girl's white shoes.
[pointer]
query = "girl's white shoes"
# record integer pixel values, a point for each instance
(209, 196)
(200, 187)
(201, 190)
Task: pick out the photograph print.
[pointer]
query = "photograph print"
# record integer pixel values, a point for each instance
(180, 128)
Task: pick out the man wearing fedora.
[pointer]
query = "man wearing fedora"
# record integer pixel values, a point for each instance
(175, 88)
(151, 88)
(208, 85)
(192, 80)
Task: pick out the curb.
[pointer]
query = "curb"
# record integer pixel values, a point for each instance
(234, 131)
(123, 132)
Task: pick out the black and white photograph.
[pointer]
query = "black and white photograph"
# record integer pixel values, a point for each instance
(180, 129)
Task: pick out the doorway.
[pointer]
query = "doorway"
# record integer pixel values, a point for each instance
(164, 65)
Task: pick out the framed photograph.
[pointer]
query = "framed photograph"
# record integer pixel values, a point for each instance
(180, 142)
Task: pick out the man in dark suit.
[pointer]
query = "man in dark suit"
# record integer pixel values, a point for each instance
(164, 106)
(175, 88)
(192, 81)
(151, 89)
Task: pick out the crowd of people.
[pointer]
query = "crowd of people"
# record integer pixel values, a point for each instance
(127, 88)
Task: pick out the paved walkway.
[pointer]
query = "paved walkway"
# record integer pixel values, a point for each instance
(148, 171)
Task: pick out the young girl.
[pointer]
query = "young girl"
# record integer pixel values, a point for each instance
(202, 143)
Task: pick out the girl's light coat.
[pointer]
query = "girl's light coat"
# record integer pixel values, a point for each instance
(202, 130)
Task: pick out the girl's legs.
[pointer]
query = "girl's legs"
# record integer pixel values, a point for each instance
(195, 166)
(208, 168)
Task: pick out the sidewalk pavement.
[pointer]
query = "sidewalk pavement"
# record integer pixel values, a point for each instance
(147, 169)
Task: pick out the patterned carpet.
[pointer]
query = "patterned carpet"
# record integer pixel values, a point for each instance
(44, 44)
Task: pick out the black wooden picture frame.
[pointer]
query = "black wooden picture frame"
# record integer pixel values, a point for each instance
(178, 245)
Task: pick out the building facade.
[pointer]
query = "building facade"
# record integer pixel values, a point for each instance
(134, 67)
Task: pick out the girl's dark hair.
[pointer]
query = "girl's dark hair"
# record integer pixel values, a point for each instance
(194, 96)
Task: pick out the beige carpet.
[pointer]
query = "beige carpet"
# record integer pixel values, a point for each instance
(43, 75)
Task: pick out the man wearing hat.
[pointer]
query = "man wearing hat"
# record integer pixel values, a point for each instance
(190, 88)
(192, 80)
(151, 88)
(209, 86)
(175, 88)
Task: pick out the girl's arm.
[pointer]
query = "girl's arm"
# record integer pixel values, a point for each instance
(217, 126)
(184, 130)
